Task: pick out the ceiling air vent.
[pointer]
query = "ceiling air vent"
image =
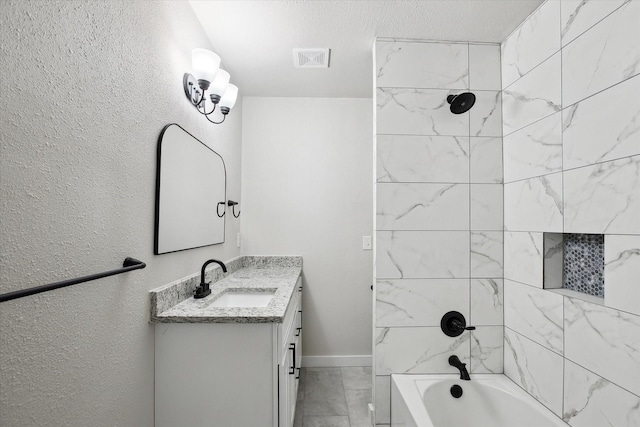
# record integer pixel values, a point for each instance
(311, 58)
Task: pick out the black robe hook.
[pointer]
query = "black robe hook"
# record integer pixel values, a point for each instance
(233, 208)
(218, 209)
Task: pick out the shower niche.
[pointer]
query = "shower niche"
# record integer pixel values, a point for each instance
(575, 262)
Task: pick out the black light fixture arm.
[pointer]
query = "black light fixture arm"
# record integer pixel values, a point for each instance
(197, 94)
(224, 116)
(128, 265)
(203, 106)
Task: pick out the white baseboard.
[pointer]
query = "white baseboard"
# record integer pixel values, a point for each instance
(335, 361)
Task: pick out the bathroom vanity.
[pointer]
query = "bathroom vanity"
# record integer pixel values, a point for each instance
(233, 358)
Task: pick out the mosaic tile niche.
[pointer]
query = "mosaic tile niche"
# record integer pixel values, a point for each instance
(575, 262)
(583, 265)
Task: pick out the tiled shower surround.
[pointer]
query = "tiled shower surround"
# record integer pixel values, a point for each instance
(570, 92)
(439, 225)
(571, 116)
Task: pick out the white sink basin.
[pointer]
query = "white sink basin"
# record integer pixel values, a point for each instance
(243, 299)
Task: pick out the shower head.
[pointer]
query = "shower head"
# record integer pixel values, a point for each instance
(462, 102)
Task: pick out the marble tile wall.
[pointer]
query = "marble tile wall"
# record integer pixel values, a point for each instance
(571, 115)
(439, 210)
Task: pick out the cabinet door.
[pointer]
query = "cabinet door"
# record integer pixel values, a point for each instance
(298, 342)
(290, 360)
(283, 394)
(298, 337)
(294, 375)
(287, 390)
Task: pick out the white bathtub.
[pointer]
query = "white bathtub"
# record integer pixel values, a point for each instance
(488, 400)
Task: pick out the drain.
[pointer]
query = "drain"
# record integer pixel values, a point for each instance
(456, 391)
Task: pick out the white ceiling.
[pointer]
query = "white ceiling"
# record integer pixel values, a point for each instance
(255, 38)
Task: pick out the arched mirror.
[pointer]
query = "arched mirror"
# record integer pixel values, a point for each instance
(190, 182)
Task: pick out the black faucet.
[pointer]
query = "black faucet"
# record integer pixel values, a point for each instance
(203, 290)
(462, 367)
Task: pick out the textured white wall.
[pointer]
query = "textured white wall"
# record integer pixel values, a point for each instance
(86, 89)
(306, 190)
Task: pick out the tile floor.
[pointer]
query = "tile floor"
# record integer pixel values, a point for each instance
(333, 397)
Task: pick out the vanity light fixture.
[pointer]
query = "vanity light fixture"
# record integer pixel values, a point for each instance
(208, 86)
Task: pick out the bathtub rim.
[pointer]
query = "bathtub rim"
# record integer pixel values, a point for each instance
(412, 386)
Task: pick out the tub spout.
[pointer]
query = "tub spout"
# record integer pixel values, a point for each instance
(462, 367)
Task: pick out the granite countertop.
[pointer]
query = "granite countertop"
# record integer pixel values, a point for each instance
(174, 303)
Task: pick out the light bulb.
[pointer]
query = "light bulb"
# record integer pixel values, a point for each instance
(219, 83)
(230, 96)
(204, 64)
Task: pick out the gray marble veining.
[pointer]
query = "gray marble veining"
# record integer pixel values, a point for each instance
(534, 150)
(424, 350)
(173, 303)
(606, 54)
(487, 254)
(534, 313)
(553, 260)
(603, 340)
(590, 400)
(523, 257)
(419, 254)
(419, 302)
(601, 128)
(603, 198)
(487, 350)
(534, 204)
(422, 206)
(485, 163)
(577, 16)
(422, 65)
(407, 111)
(535, 40)
(486, 114)
(534, 368)
(487, 302)
(621, 272)
(533, 97)
(409, 158)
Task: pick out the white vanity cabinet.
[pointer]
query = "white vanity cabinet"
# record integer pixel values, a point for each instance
(229, 374)
(289, 361)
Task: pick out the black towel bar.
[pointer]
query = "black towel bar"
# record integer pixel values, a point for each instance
(128, 265)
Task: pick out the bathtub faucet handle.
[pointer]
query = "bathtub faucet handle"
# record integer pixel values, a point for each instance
(453, 324)
(458, 324)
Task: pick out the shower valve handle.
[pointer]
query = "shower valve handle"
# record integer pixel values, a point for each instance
(453, 324)
(460, 325)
